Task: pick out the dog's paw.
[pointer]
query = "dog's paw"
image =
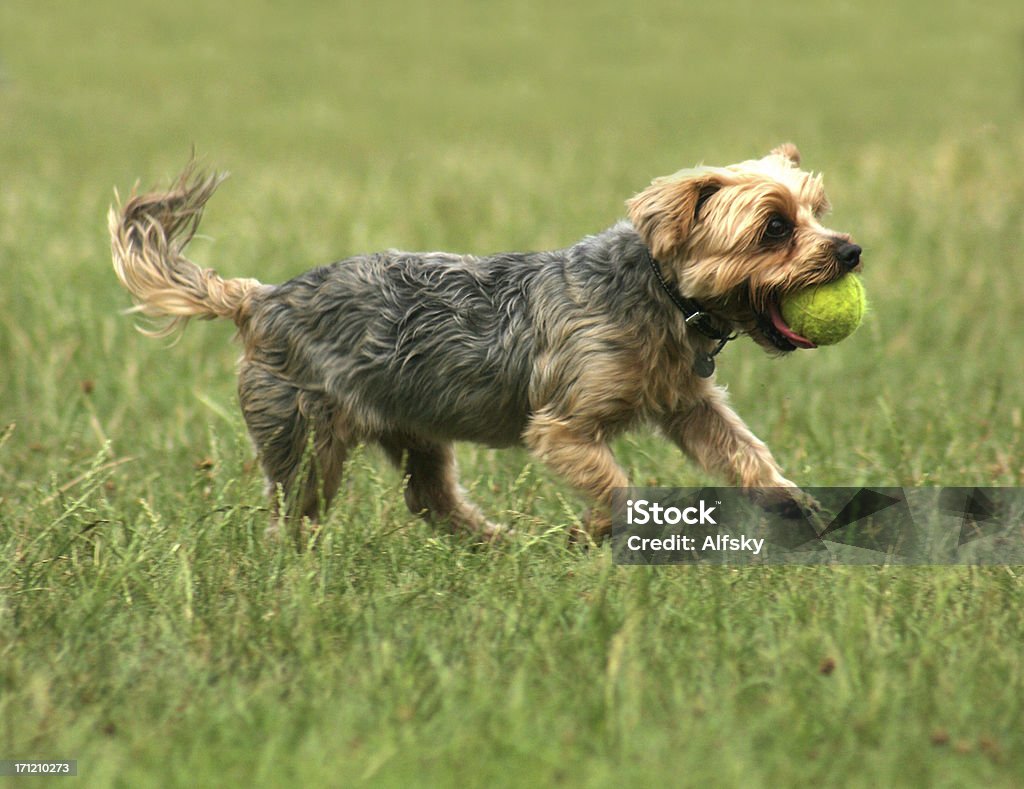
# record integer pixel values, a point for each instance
(790, 503)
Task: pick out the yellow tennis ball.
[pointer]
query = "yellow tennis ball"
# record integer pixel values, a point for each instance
(828, 313)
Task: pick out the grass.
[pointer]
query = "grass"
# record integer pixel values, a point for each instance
(149, 631)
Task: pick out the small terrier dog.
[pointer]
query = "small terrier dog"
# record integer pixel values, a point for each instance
(560, 350)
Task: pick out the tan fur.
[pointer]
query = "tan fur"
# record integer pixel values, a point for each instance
(718, 258)
(147, 236)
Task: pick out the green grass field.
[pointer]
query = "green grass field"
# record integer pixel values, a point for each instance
(148, 630)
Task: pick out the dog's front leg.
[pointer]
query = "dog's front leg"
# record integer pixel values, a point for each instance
(584, 460)
(711, 433)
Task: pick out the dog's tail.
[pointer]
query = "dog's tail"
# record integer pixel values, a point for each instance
(148, 236)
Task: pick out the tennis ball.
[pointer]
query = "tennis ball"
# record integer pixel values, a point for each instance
(828, 313)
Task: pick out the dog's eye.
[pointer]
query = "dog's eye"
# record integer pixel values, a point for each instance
(778, 229)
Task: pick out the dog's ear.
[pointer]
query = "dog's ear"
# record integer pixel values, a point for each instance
(666, 211)
(788, 151)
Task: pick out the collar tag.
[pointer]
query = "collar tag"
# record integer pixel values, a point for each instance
(704, 365)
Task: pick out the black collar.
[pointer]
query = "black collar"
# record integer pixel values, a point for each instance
(694, 316)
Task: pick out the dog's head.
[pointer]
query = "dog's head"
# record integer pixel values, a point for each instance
(738, 239)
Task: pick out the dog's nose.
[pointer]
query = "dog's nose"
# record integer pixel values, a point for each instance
(848, 255)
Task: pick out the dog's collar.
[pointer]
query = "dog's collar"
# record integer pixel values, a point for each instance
(694, 316)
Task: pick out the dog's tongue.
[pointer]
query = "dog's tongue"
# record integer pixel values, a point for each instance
(785, 331)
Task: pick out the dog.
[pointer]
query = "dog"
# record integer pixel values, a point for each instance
(559, 351)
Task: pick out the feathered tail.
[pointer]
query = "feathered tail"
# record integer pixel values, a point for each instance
(148, 237)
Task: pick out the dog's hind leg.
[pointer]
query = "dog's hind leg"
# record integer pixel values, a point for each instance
(297, 441)
(432, 489)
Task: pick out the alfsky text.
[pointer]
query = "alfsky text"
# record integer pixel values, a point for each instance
(680, 542)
